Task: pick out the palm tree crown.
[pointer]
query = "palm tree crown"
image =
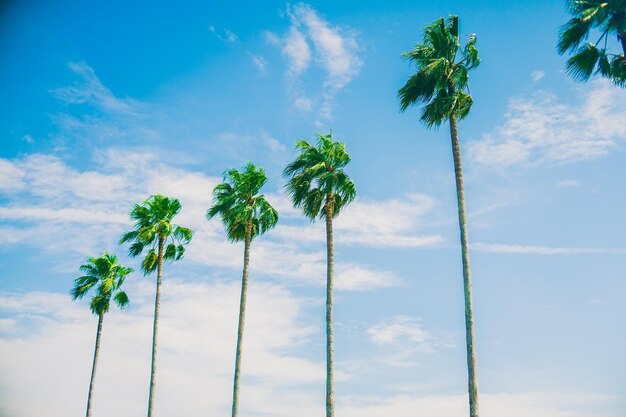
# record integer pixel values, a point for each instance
(240, 206)
(608, 18)
(153, 224)
(109, 276)
(442, 73)
(316, 177)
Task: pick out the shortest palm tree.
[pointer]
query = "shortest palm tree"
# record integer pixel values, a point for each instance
(107, 276)
(245, 214)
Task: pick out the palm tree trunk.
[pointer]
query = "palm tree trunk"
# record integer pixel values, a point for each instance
(330, 338)
(242, 318)
(95, 362)
(467, 278)
(155, 327)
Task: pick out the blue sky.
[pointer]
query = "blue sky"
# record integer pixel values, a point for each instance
(106, 104)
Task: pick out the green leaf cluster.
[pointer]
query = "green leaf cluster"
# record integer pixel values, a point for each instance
(316, 180)
(107, 276)
(588, 58)
(442, 73)
(153, 226)
(239, 205)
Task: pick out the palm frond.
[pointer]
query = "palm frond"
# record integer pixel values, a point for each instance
(236, 201)
(121, 299)
(439, 74)
(581, 65)
(573, 33)
(316, 175)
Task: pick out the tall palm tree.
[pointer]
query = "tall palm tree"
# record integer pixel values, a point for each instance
(154, 232)
(318, 185)
(107, 276)
(608, 18)
(440, 83)
(246, 215)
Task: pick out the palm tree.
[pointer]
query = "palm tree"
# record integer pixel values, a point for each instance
(245, 214)
(440, 84)
(318, 185)
(154, 231)
(105, 273)
(608, 18)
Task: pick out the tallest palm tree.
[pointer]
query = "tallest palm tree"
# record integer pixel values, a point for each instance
(441, 85)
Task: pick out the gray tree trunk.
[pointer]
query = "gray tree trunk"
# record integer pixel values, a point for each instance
(330, 338)
(242, 318)
(467, 277)
(155, 328)
(93, 366)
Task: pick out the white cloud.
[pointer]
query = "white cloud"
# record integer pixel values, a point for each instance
(197, 340)
(28, 139)
(399, 328)
(543, 129)
(60, 209)
(544, 250)
(537, 75)
(196, 356)
(297, 51)
(492, 405)
(332, 48)
(386, 223)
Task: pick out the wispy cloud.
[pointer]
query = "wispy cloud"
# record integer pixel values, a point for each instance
(260, 62)
(537, 75)
(89, 90)
(224, 35)
(399, 328)
(333, 49)
(543, 129)
(543, 250)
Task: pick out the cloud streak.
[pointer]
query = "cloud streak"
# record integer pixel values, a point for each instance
(544, 250)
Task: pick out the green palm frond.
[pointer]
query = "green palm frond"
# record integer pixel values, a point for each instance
(237, 202)
(609, 19)
(121, 299)
(442, 73)
(316, 177)
(108, 276)
(581, 65)
(153, 224)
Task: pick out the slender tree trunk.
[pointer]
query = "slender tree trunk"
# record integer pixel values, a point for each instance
(242, 318)
(95, 362)
(467, 278)
(330, 338)
(155, 327)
